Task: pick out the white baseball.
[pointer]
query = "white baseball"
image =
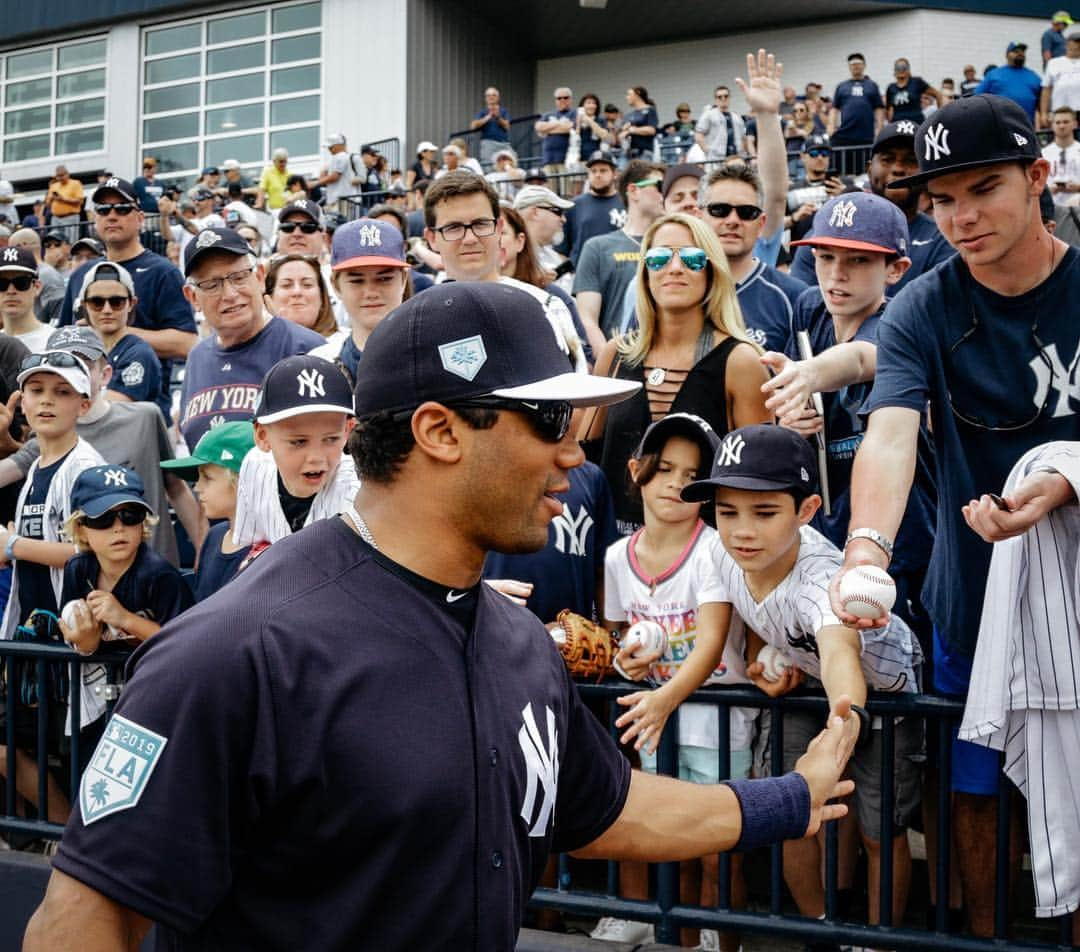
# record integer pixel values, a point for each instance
(867, 591)
(774, 661)
(68, 616)
(645, 636)
(558, 635)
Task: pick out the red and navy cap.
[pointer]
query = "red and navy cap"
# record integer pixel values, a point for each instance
(762, 457)
(860, 221)
(470, 339)
(971, 132)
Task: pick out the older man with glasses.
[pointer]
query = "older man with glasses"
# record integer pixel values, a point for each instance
(163, 318)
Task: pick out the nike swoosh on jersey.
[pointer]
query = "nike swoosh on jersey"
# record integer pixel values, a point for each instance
(453, 596)
(916, 243)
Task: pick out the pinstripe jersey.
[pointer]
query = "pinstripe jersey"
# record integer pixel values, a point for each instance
(792, 615)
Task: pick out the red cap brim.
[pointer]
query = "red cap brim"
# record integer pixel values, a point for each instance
(846, 243)
(370, 261)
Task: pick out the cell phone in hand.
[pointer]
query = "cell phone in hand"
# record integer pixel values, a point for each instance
(832, 173)
(999, 502)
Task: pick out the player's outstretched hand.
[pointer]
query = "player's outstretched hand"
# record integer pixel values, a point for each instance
(516, 591)
(648, 713)
(821, 767)
(790, 678)
(1034, 496)
(846, 618)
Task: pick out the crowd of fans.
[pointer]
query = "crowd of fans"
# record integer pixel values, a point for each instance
(155, 337)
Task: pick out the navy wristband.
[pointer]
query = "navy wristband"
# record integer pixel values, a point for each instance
(774, 809)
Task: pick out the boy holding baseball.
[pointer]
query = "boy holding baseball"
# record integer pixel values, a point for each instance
(295, 474)
(776, 570)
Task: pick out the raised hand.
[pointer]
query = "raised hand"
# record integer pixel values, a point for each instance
(762, 87)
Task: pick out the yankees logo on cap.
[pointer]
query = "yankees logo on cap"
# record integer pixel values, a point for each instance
(117, 186)
(860, 221)
(760, 457)
(972, 132)
(687, 425)
(302, 384)
(843, 214)
(365, 243)
(369, 236)
(101, 488)
(18, 259)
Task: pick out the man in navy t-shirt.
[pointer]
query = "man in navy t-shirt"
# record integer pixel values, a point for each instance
(233, 798)
(493, 122)
(225, 370)
(1014, 80)
(987, 339)
(554, 130)
(596, 211)
(857, 109)
(163, 316)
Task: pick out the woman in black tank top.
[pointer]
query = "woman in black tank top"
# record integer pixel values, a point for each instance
(690, 352)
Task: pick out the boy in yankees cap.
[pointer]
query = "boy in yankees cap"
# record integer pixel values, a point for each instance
(776, 571)
(295, 476)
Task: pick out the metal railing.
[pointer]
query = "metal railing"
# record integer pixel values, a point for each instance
(668, 914)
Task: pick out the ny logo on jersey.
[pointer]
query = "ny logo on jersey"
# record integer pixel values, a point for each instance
(901, 98)
(1062, 379)
(731, 450)
(906, 127)
(464, 357)
(310, 383)
(856, 90)
(369, 236)
(115, 477)
(542, 768)
(843, 214)
(206, 239)
(617, 217)
(937, 143)
(11, 254)
(572, 532)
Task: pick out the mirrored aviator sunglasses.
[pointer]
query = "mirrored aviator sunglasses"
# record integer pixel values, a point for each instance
(658, 258)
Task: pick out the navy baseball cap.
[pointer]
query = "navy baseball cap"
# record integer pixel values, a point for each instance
(302, 384)
(599, 157)
(55, 237)
(861, 221)
(90, 243)
(305, 207)
(971, 132)
(676, 172)
(213, 239)
(903, 130)
(14, 258)
(118, 186)
(364, 243)
(816, 140)
(101, 488)
(469, 339)
(762, 457)
(1015, 45)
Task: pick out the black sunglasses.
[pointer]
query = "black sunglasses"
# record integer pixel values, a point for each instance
(116, 301)
(22, 283)
(121, 208)
(723, 209)
(550, 419)
(307, 227)
(52, 358)
(128, 516)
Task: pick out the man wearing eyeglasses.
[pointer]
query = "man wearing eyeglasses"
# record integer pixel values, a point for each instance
(720, 132)
(163, 317)
(261, 718)
(990, 340)
(554, 130)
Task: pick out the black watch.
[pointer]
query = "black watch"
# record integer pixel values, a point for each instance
(864, 726)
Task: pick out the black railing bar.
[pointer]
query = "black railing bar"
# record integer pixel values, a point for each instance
(885, 846)
(36, 828)
(41, 672)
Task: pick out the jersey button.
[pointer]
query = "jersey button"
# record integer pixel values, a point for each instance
(497, 859)
(493, 756)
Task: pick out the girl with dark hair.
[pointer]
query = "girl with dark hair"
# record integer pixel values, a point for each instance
(640, 123)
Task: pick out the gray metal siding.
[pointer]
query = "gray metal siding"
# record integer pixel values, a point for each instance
(454, 55)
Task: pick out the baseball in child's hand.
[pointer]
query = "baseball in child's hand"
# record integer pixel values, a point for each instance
(773, 663)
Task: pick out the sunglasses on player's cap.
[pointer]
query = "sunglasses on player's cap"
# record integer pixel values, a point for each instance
(467, 340)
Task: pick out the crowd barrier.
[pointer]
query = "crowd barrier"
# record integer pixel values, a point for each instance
(768, 916)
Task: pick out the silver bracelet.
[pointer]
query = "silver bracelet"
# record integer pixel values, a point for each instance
(882, 542)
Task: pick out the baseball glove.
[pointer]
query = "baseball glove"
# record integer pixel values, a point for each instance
(587, 648)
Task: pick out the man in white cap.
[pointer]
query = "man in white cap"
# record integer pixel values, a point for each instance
(335, 177)
(544, 214)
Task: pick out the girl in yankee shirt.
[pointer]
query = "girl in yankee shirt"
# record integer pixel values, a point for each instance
(665, 573)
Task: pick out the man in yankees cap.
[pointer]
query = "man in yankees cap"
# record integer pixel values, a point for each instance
(989, 339)
(359, 714)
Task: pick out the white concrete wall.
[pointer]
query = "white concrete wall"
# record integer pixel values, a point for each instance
(937, 43)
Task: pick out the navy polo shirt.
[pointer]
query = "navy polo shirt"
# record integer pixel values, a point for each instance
(389, 780)
(555, 145)
(491, 129)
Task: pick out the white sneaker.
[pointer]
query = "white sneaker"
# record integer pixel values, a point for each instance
(610, 929)
(710, 941)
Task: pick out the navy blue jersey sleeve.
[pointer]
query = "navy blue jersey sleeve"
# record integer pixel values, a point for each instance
(79, 577)
(74, 285)
(594, 779)
(902, 378)
(170, 308)
(170, 595)
(203, 755)
(136, 369)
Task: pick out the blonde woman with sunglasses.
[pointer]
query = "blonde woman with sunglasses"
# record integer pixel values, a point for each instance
(690, 351)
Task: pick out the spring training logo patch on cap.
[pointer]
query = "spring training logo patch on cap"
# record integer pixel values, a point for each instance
(369, 236)
(937, 143)
(843, 215)
(121, 767)
(464, 357)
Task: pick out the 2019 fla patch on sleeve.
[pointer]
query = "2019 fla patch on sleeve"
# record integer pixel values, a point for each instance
(120, 769)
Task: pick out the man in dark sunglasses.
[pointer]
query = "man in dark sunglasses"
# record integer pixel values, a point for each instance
(301, 229)
(989, 338)
(163, 317)
(383, 612)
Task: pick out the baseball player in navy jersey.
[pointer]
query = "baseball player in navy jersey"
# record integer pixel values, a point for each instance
(1025, 680)
(369, 749)
(987, 339)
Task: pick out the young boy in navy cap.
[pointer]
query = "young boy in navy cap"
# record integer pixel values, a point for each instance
(117, 587)
(776, 570)
(295, 475)
(215, 468)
